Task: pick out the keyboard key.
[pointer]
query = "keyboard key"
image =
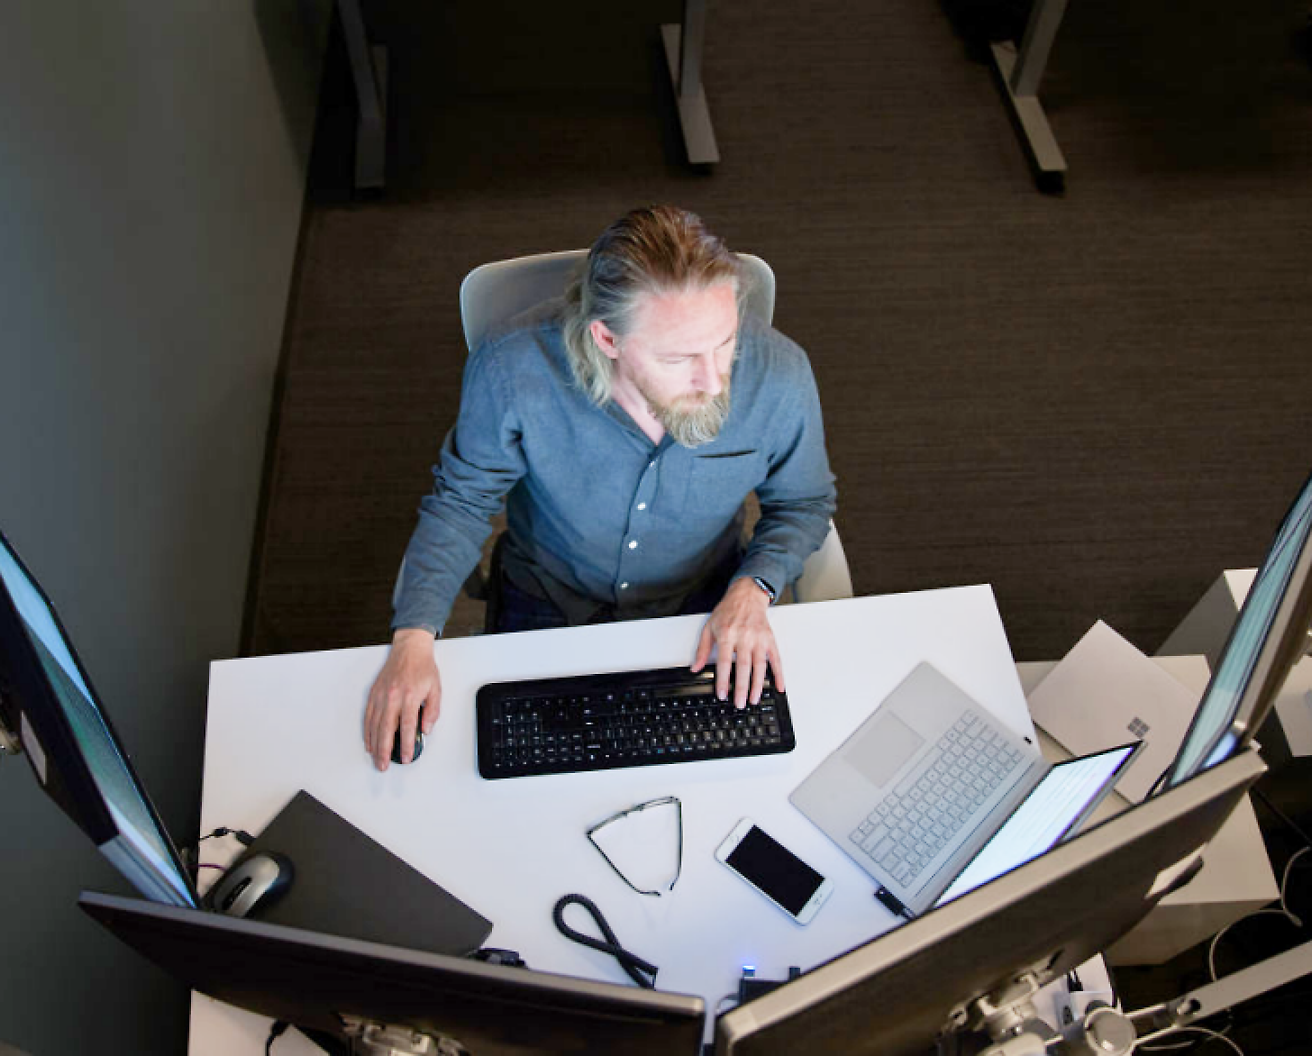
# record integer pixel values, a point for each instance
(932, 804)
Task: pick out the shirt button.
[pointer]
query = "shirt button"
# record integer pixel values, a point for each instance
(642, 505)
(651, 464)
(633, 544)
(624, 586)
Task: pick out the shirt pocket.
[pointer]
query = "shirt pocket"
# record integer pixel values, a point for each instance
(717, 486)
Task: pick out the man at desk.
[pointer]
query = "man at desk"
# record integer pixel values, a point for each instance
(623, 427)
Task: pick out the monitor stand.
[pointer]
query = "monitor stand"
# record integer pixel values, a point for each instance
(1009, 1017)
(364, 1038)
(378, 1039)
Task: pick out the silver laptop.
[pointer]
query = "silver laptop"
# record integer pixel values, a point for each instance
(931, 782)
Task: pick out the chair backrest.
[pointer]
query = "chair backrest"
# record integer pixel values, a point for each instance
(496, 291)
(825, 576)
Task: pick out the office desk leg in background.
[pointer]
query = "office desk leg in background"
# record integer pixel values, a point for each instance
(683, 54)
(1020, 74)
(369, 72)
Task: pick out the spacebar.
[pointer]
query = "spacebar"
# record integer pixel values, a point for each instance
(599, 760)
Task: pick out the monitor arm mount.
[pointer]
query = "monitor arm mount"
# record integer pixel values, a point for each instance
(1008, 1015)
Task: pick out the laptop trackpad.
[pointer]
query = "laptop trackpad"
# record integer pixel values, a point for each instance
(880, 752)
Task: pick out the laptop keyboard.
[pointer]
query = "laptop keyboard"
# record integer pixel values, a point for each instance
(634, 718)
(909, 827)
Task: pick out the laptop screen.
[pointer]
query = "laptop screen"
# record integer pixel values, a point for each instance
(1055, 807)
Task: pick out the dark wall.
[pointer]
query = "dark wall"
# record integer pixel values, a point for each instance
(153, 175)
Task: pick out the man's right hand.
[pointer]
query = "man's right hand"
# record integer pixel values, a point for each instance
(408, 678)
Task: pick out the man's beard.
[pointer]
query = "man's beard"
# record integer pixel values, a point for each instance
(692, 420)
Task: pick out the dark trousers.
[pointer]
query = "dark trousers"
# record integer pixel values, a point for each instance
(515, 610)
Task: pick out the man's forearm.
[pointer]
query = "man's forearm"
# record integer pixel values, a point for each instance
(438, 560)
(784, 537)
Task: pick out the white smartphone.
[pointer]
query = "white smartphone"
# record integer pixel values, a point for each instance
(775, 871)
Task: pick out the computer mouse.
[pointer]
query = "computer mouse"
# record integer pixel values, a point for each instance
(419, 740)
(254, 882)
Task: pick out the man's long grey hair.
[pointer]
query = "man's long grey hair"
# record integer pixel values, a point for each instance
(655, 249)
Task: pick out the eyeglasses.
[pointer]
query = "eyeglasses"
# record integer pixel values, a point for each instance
(610, 825)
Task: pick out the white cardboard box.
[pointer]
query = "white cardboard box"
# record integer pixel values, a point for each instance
(1236, 878)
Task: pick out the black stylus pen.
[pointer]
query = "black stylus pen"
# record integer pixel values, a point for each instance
(891, 903)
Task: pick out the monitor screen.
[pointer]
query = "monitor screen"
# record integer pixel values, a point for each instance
(1266, 640)
(49, 705)
(315, 981)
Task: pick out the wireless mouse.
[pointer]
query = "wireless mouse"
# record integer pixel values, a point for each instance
(254, 882)
(419, 739)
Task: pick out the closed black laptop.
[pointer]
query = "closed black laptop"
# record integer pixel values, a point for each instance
(349, 885)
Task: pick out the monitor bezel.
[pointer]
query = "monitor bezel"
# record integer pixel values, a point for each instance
(62, 771)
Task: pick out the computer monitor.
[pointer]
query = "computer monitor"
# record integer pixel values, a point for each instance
(893, 996)
(48, 705)
(323, 983)
(1267, 639)
(47, 701)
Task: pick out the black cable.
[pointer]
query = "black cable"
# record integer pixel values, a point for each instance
(243, 837)
(641, 972)
(275, 1032)
(191, 855)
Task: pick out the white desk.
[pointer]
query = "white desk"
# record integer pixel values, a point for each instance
(512, 848)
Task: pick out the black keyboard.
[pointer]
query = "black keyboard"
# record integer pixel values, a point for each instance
(632, 718)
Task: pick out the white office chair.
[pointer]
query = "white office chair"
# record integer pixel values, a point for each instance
(504, 288)
(825, 575)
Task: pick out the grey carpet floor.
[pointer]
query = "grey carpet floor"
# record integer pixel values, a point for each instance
(1094, 402)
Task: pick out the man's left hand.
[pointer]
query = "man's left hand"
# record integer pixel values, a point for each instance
(741, 627)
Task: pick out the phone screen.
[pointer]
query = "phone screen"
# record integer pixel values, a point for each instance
(775, 870)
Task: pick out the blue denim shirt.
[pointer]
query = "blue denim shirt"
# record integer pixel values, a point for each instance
(599, 516)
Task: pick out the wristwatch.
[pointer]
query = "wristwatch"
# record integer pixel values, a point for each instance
(769, 590)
